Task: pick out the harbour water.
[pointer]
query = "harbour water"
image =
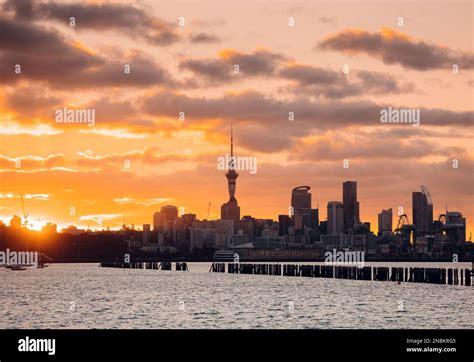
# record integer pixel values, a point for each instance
(86, 296)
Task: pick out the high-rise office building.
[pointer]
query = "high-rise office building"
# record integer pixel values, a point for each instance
(170, 212)
(314, 219)
(335, 223)
(422, 212)
(456, 226)
(301, 204)
(188, 219)
(385, 221)
(231, 210)
(284, 222)
(146, 235)
(170, 215)
(158, 221)
(196, 238)
(244, 227)
(351, 205)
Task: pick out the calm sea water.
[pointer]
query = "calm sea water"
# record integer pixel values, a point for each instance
(86, 296)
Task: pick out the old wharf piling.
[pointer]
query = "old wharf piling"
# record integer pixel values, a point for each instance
(154, 265)
(450, 276)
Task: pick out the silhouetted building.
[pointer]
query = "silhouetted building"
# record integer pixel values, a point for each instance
(323, 227)
(351, 205)
(188, 219)
(244, 227)
(158, 221)
(146, 236)
(314, 219)
(455, 226)
(49, 228)
(335, 223)
(385, 221)
(170, 212)
(231, 210)
(196, 238)
(15, 222)
(284, 222)
(301, 203)
(422, 211)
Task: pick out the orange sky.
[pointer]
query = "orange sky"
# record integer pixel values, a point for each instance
(190, 69)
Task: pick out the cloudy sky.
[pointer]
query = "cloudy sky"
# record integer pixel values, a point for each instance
(140, 155)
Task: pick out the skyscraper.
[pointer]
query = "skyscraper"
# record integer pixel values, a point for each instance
(301, 203)
(158, 221)
(314, 221)
(351, 205)
(146, 237)
(385, 221)
(170, 213)
(335, 224)
(456, 226)
(231, 210)
(284, 222)
(422, 212)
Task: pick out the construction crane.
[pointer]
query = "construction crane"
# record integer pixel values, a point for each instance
(208, 210)
(404, 228)
(402, 221)
(25, 215)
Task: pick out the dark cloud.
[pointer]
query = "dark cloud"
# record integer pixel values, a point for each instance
(214, 71)
(259, 63)
(327, 20)
(377, 82)
(143, 73)
(394, 47)
(369, 147)
(253, 106)
(45, 55)
(25, 38)
(41, 53)
(308, 75)
(128, 19)
(269, 116)
(335, 84)
(257, 138)
(204, 38)
(31, 102)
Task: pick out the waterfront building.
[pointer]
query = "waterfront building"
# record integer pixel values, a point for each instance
(301, 204)
(385, 222)
(422, 212)
(351, 205)
(335, 223)
(146, 235)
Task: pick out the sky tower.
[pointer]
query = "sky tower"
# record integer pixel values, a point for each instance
(231, 210)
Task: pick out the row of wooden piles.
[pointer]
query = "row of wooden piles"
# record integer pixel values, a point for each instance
(155, 265)
(451, 276)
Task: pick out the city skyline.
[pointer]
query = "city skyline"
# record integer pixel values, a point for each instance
(384, 217)
(164, 90)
